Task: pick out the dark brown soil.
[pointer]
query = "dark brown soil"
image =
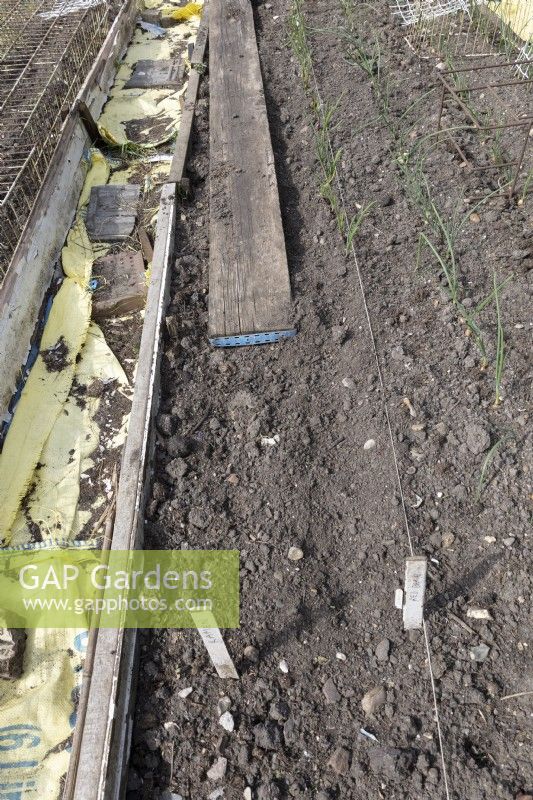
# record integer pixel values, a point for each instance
(330, 616)
(56, 357)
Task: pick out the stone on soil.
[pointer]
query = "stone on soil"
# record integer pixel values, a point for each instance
(267, 736)
(199, 518)
(330, 692)
(177, 468)
(218, 770)
(390, 762)
(340, 761)
(295, 554)
(227, 721)
(251, 654)
(382, 650)
(373, 700)
(477, 439)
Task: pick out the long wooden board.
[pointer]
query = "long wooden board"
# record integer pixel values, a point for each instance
(177, 172)
(95, 774)
(105, 738)
(249, 288)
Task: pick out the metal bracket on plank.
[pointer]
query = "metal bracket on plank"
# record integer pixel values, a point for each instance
(242, 340)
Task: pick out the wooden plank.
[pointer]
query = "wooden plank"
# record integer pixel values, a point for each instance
(249, 288)
(97, 140)
(181, 151)
(198, 54)
(88, 666)
(105, 739)
(115, 648)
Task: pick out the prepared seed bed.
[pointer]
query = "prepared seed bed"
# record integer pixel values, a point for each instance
(412, 279)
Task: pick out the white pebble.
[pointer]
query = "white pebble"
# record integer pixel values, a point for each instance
(479, 652)
(295, 554)
(369, 444)
(341, 656)
(247, 794)
(478, 613)
(218, 770)
(284, 667)
(185, 692)
(227, 721)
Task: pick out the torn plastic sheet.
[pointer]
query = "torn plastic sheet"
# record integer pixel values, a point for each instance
(51, 509)
(157, 30)
(147, 117)
(98, 172)
(43, 397)
(56, 425)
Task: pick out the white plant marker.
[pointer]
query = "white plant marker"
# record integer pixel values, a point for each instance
(218, 652)
(415, 587)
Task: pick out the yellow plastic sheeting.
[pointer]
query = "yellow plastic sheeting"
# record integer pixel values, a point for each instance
(79, 253)
(148, 46)
(518, 14)
(155, 172)
(182, 14)
(43, 397)
(98, 174)
(50, 380)
(53, 502)
(37, 715)
(157, 110)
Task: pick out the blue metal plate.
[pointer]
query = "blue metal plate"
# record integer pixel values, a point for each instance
(242, 340)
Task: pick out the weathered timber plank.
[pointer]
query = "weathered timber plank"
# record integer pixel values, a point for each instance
(181, 151)
(105, 739)
(198, 55)
(249, 288)
(104, 731)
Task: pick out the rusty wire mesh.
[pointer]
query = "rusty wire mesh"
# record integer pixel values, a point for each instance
(471, 27)
(46, 50)
(484, 50)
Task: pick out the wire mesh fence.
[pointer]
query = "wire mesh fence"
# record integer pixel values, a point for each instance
(467, 26)
(46, 50)
(484, 53)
